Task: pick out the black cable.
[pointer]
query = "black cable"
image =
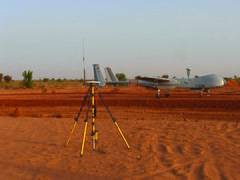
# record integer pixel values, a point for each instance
(105, 104)
(84, 100)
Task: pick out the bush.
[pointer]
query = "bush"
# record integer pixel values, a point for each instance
(165, 76)
(45, 79)
(1, 77)
(7, 78)
(59, 80)
(27, 78)
(121, 76)
(81, 81)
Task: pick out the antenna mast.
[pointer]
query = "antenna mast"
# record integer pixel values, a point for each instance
(188, 71)
(84, 72)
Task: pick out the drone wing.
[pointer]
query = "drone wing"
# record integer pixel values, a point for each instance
(152, 79)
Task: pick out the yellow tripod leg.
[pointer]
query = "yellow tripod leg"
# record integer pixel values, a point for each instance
(74, 126)
(93, 119)
(122, 135)
(84, 138)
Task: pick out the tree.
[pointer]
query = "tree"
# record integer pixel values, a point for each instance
(121, 76)
(45, 79)
(27, 78)
(1, 77)
(165, 76)
(7, 78)
(81, 80)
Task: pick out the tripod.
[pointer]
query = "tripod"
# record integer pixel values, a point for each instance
(90, 95)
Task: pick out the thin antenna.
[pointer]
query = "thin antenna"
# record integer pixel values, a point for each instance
(84, 72)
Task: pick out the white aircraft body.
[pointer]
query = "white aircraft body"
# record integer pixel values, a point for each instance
(202, 83)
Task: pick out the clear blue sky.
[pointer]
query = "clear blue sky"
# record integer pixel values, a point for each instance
(151, 37)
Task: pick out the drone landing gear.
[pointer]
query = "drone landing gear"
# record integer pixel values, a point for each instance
(167, 93)
(158, 95)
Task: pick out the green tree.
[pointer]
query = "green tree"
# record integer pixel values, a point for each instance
(7, 78)
(45, 79)
(27, 78)
(121, 76)
(1, 77)
(165, 76)
(59, 80)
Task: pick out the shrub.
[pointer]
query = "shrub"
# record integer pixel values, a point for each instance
(45, 79)
(1, 77)
(7, 78)
(165, 76)
(27, 78)
(121, 76)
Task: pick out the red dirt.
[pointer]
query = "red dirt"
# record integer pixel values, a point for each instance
(17, 112)
(181, 137)
(223, 98)
(233, 83)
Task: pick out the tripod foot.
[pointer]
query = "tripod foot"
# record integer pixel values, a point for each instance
(122, 135)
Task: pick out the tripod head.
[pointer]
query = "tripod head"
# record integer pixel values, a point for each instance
(93, 82)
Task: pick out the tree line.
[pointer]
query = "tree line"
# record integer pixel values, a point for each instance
(27, 81)
(6, 78)
(27, 78)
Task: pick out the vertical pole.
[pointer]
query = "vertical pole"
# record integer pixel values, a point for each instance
(93, 118)
(84, 72)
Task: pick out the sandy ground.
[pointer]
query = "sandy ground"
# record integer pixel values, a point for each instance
(171, 142)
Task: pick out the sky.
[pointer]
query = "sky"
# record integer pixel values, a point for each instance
(135, 37)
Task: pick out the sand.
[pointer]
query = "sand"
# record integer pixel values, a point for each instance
(166, 142)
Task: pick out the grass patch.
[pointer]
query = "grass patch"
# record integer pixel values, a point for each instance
(39, 84)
